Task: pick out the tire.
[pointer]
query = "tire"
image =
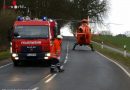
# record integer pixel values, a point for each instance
(46, 63)
(16, 63)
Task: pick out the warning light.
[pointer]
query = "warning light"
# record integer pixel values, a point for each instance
(19, 18)
(14, 3)
(44, 18)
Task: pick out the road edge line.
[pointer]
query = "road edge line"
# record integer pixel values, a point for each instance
(5, 65)
(66, 57)
(120, 66)
(36, 88)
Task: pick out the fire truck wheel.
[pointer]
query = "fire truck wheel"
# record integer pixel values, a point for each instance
(16, 63)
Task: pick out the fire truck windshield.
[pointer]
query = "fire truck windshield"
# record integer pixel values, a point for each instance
(31, 32)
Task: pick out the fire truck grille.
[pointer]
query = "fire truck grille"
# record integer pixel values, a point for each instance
(31, 49)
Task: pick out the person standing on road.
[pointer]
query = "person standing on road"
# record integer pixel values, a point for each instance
(55, 54)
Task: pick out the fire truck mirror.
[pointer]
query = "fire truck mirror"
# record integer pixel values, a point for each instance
(16, 34)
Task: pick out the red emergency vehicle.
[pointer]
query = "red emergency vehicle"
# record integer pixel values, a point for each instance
(32, 39)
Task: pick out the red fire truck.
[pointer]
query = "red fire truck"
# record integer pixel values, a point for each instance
(32, 39)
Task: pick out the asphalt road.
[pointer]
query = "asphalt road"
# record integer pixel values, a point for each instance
(84, 70)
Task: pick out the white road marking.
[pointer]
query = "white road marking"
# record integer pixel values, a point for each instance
(48, 80)
(5, 65)
(65, 61)
(36, 88)
(116, 64)
(62, 67)
(47, 76)
(66, 58)
(121, 67)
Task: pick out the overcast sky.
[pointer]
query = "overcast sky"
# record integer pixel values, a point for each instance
(120, 16)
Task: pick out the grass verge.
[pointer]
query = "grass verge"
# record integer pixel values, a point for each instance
(4, 55)
(113, 55)
(113, 41)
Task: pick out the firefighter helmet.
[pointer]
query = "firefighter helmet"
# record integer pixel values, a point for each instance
(59, 37)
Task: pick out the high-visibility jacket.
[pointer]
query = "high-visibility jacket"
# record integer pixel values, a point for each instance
(83, 35)
(56, 48)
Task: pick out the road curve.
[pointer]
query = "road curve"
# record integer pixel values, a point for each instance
(84, 70)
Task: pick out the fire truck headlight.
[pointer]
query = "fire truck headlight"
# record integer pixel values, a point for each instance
(45, 57)
(48, 54)
(14, 55)
(16, 58)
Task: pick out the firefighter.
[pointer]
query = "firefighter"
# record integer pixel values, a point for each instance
(55, 54)
(83, 35)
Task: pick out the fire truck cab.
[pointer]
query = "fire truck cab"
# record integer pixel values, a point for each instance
(32, 39)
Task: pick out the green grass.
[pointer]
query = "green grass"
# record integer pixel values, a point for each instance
(116, 42)
(114, 55)
(4, 55)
